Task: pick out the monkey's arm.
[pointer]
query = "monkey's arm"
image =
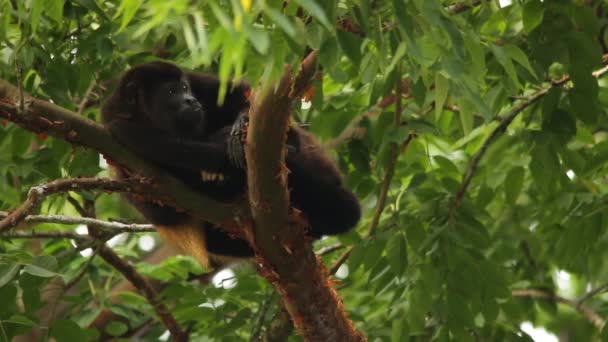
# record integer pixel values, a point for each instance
(153, 145)
(237, 136)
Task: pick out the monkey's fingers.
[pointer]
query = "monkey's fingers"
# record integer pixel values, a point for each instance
(207, 176)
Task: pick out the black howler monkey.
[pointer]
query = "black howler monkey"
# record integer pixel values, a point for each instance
(171, 118)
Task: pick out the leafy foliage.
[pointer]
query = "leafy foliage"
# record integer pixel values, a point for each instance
(446, 254)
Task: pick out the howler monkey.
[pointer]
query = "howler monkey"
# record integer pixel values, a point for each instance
(172, 118)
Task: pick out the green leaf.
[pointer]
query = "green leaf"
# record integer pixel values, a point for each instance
(501, 56)
(127, 8)
(561, 124)
(351, 45)
(419, 92)
(397, 57)
(42, 266)
(604, 334)
(516, 54)
(466, 119)
(317, 12)
(35, 13)
(116, 328)
(400, 329)
(478, 54)
(66, 330)
(54, 9)
(514, 183)
(544, 167)
(373, 251)
(396, 253)
(21, 320)
(441, 94)
(401, 14)
(356, 258)
(532, 14)
(8, 296)
(258, 38)
(39, 271)
(8, 272)
(93, 6)
(282, 21)
(328, 54)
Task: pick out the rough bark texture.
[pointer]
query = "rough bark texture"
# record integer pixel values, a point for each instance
(278, 235)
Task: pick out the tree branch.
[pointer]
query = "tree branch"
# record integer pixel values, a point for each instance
(146, 289)
(38, 193)
(352, 129)
(592, 293)
(389, 170)
(279, 237)
(44, 235)
(502, 128)
(460, 7)
(44, 117)
(68, 220)
(586, 311)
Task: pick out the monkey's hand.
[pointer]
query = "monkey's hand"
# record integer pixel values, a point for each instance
(236, 141)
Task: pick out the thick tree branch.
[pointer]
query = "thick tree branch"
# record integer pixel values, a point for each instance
(278, 236)
(144, 287)
(502, 128)
(586, 311)
(44, 117)
(107, 315)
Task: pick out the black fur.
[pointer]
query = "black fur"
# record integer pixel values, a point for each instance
(185, 138)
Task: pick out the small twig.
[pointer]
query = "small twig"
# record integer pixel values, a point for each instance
(74, 202)
(19, 75)
(82, 272)
(386, 182)
(257, 327)
(460, 7)
(43, 235)
(144, 287)
(351, 129)
(592, 293)
(329, 249)
(280, 326)
(65, 288)
(38, 193)
(586, 311)
(87, 96)
(501, 128)
(62, 219)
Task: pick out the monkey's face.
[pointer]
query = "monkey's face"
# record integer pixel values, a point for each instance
(174, 108)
